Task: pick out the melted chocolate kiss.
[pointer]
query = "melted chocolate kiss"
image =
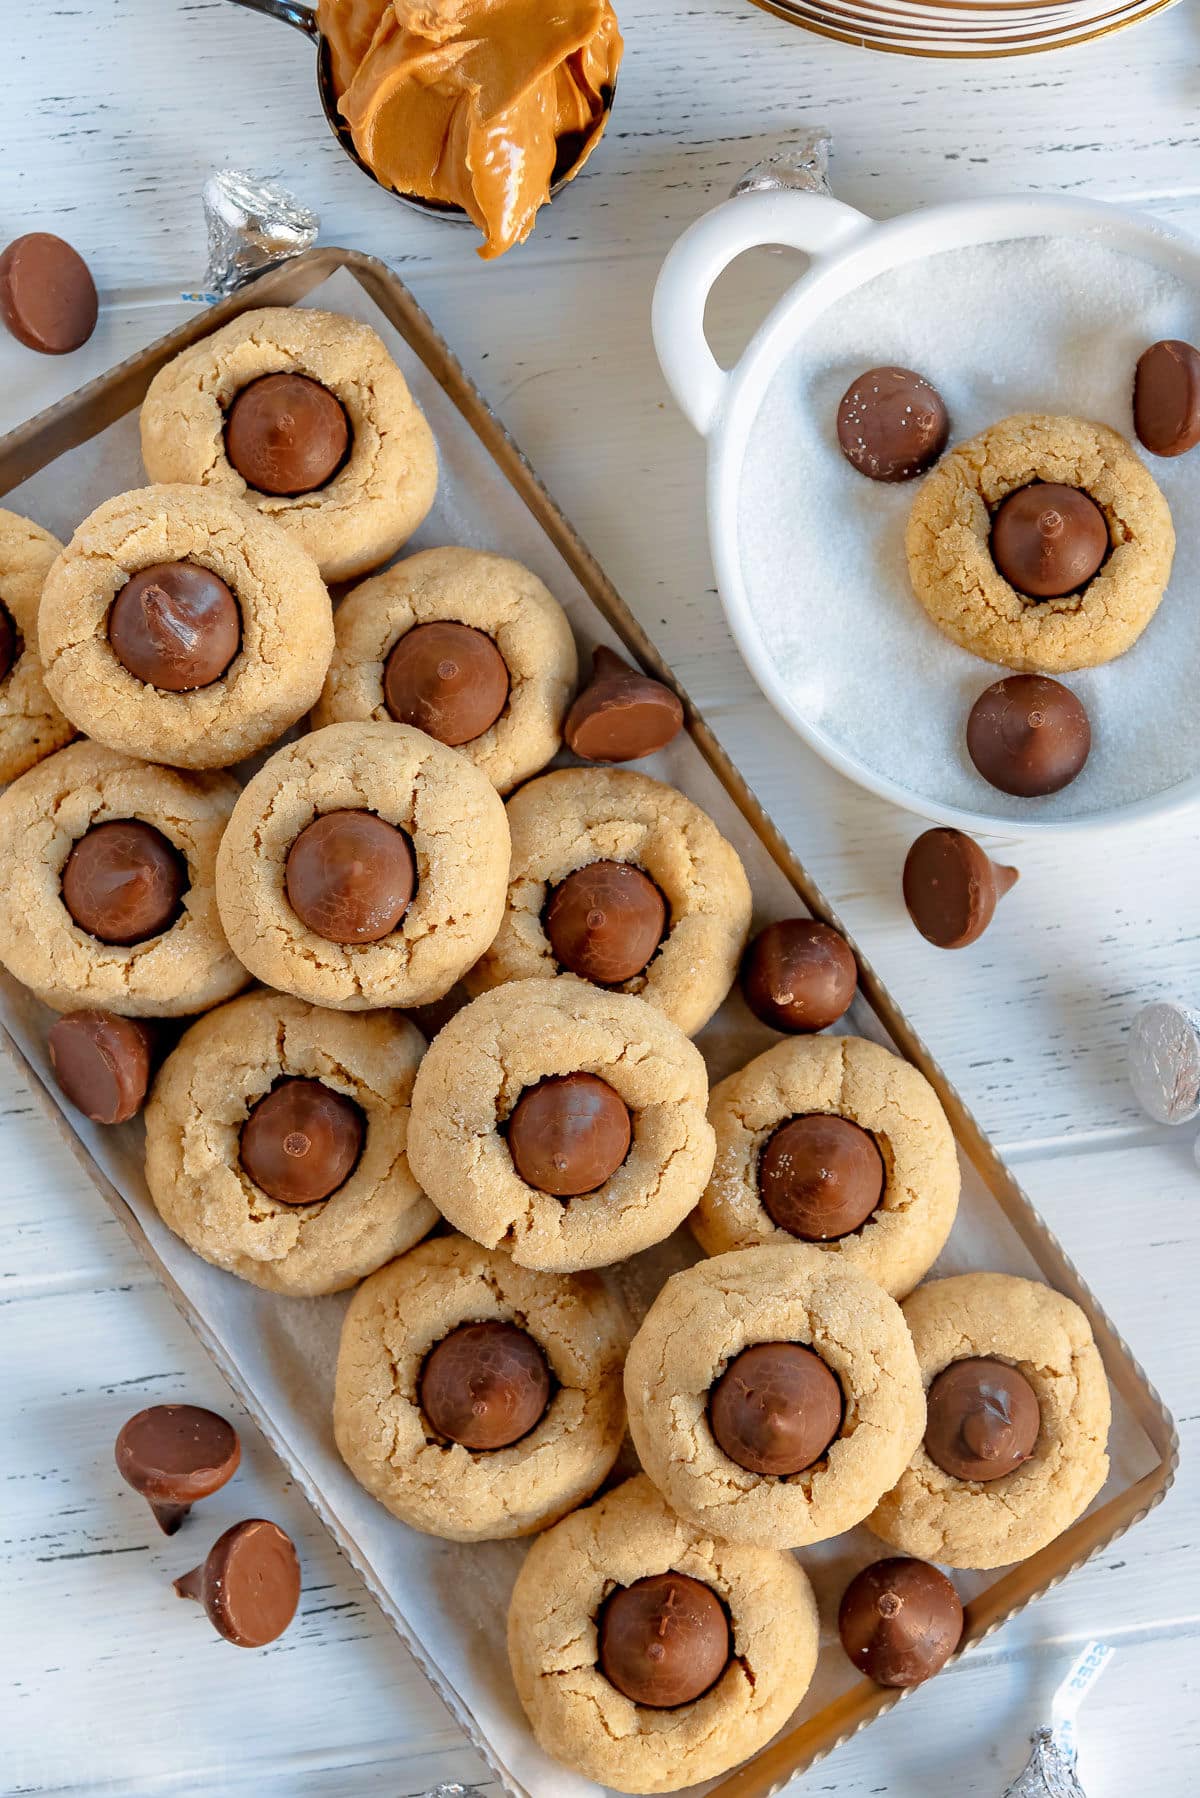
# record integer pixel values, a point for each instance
(175, 626)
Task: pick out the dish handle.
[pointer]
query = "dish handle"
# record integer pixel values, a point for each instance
(288, 12)
(811, 222)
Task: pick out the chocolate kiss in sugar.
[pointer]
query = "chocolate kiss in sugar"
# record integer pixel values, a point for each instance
(951, 888)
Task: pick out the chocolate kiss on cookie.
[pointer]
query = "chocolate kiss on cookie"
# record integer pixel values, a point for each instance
(569, 1134)
(983, 1419)
(123, 882)
(776, 1408)
(446, 679)
(286, 435)
(486, 1385)
(605, 922)
(1048, 540)
(302, 1141)
(820, 1177)
(664, 1640)
(350, 877)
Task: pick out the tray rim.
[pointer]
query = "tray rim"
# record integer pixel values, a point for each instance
(79, 416)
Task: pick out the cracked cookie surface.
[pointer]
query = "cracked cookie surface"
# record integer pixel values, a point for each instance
(512, 1038)
(842, 1076)
(286, 628)
(407, 1308)
(585, 1722)
(488, 593)
(574, 816)
(186, 968)
(202, 1095)
(950, 561)
(384, 488)
(968, 1523)
(452, 816)
(31, 725)
(709, 1313)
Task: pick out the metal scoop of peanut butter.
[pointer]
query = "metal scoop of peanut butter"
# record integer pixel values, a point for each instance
(479, 104)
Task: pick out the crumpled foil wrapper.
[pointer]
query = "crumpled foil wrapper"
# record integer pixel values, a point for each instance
(252, 226)
(1164, 1061)
(1050, 1769)
(452, 1791)
(802, 167)
(1050, 1772)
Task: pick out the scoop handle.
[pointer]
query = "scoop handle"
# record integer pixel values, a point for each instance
(801, 221)
(292, 12)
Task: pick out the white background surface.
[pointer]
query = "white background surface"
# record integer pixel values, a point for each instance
(114, 112)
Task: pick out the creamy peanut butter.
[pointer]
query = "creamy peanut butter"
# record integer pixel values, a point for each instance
(476, 103)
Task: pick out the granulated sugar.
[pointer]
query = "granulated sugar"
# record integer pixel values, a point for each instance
(1038, 325)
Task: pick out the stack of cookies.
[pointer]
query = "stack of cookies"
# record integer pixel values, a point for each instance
(400, 848)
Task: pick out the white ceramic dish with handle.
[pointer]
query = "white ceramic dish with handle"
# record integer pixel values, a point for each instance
(846, 250)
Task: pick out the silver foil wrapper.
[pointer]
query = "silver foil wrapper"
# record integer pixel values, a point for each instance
(1050, 1769)
(1164, 1061)
(252, 226)
(803, 166)
(452, 1791)
(1050, 1772)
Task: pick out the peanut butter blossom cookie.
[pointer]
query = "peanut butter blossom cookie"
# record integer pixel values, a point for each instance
(108, 888)
(305, 416)
(564, 1122)
(182, 627)
(31, 725)
(364, 865)
(275, 1143)
(836, 1142)
(1042, 544)
(773, 1395)
(477, 1399)
(626, 883)
(650, 1655)
(469, 647)
(1018, 1414)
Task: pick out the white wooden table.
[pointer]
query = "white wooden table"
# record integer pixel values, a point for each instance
(114, 111)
